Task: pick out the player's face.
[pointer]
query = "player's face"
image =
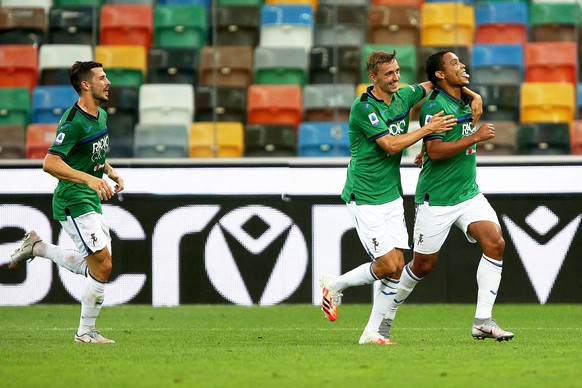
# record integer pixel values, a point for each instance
(454, 70)
(387, 77)
(99, 85)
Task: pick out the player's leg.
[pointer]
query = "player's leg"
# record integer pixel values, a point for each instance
(481, 225)
(90, 234)
(33, 246)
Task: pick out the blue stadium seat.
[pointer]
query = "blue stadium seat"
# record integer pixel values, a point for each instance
(323, 139)
(49, 102)
(501, 22)
(497, 64)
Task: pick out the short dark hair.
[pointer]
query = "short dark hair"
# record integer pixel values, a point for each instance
(434, 63)
(81, 71)
(376, 58)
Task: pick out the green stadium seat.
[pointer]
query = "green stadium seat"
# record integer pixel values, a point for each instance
(15, 106)
(180, 26)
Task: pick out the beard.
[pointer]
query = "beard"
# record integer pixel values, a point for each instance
(99, 98)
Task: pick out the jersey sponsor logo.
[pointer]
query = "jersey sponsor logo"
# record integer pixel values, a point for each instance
(373, 119)
(468, 129)
(100, 148)
(470, 151)
(98, 167)
(60, 138)
(397, 128)
(411, 87)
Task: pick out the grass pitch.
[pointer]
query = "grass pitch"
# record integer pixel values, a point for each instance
(288, 346)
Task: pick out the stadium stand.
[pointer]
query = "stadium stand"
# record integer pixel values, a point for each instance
(122, 116)
(504, 22)
(334, 64)
(553, 21)
(504, 142)
(18, 66)
(23, 26)
(39, 138)
(55, 60)
(547, 102)
(270, 140)
(551, 62)
(447, 24)
(318, 139)
(230, 104)
(238, 25)
(543, 139)
(14, 106)
(499, 64)
(328, 102)
(173, 65)
(226, 66)
(126, 24)
(280, 65)
(576, 137)
(166, 104)
(160, 140)
(73, 25)
(394, 24)
(126, 65)
(274, 104)
(286, 26)
(49, 102)
(340, 25)
(12, 141)
(182, 25)
(216, 139)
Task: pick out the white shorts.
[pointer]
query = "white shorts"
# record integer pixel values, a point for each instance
(433, 223)
(381, 228)
(89, 232)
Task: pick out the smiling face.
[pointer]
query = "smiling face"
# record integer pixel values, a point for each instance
(453, 71)
(387, 77)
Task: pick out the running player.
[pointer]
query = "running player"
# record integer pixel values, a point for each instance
(378, 132)
(77, 160)
(447, 194)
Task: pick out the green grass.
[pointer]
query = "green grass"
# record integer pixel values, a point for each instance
(288, 346)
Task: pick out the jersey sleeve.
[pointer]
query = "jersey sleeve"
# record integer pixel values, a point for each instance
(428, 109)
(412, 94)
(65, 140)
(367, 119)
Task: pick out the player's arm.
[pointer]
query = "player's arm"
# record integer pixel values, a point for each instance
(476, 103)
(114, 176)
(56, 166)
(437, 149)
(439, 123)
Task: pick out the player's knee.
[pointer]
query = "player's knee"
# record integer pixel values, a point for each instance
(387, 266)
(422, 266)
(496, 247)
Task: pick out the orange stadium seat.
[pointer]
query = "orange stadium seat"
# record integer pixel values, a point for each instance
(576, 137)
(547, 102)
(447, 24)
(274, 104)
(501, 22)
(18, 66)
(221, 139)
(126, 24)
(39, 137)
(551, 62)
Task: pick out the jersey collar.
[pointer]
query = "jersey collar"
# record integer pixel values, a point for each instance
(88, 115)
(442, 91)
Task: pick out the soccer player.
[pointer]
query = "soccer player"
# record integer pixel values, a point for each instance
(77, 160)
(447, 194)
(378, 127)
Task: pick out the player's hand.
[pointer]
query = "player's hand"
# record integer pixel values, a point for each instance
(112, 174)
(476, 108)
(418, 159)
(440, 123)
(102, 188)
(485, 132)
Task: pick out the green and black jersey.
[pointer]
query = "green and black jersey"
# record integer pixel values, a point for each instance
(82, 142)
(454, 180)
(373, 176)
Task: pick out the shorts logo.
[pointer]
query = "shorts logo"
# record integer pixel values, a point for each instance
(94, 239)
(420, 239)
(375, 243)
(373, 119)
(60, 138)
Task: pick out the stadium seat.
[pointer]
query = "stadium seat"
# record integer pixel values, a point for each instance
(173, 65)
(45, 5)
(160, 140)
(12, 141)
(166, 104)
(280, 65)
(554, 21)
(543, 139)
(393, 2)
(323, 139)
(334, 64)
(231, 103)
(55, 60)
(122, 116)
(551, 62)
(151, 3)
(180, 25)
(311, 3)
(447, 24)
(14, 106)
(576, 137)
(49, 102)
(340, 25)
(238, 25)
(216, 139)
(423, 52)
(18, 66)
(502, 22)
(500, 102)
(84, 3)
(504, 142)
(499, 64)
(274, 104)
(73, 25)
(39, 137)
(124, 65)
(226, 66)
(394, 24)
(240, 2)
(205, 3)
(23, 26)
(328, 102)
(405, 55)
(126, 24)
(286, 26)
(547, 102)
(270, 140)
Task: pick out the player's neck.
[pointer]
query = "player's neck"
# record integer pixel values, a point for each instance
(89, 106)
(454, 91)
(380, 95)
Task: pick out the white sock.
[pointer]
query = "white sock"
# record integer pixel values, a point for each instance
(407, 283)
(91, 302)
(358, 276)
(382, 300)
(488, 279)
(69, 259)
